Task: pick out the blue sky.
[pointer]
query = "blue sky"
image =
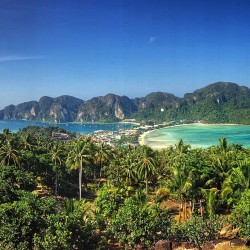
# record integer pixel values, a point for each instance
(87, 48)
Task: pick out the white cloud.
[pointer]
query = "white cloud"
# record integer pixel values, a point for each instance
(152, 39)
(10, 58)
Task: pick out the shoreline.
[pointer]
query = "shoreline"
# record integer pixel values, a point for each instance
(142, 136)
(133, 123)
(141, 139)
(77, 127)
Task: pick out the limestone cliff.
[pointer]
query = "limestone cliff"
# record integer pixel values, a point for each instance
(218, 102)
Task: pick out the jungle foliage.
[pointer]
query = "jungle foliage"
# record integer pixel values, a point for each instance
(77, 194)
(220, 102)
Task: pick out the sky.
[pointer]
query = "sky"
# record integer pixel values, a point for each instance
(88, 48)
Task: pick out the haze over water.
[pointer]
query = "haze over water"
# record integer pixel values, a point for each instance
(198, 135)
(82, 128)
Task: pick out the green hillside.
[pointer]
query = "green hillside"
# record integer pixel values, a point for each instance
(220, 102)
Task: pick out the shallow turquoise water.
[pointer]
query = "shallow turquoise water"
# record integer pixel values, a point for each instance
(198, 135)
(81, 128)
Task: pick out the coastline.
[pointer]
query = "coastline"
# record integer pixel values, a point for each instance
(141, 139)
(78, 127)
(133, 123)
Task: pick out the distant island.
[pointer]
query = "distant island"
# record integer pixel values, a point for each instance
(220, 102)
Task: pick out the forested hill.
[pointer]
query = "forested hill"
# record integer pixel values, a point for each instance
(220, 102)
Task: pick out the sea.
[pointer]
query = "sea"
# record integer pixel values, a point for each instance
(198, 135)
(81, 128)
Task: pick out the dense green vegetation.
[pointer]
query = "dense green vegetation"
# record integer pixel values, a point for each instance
(75, 194)
(220, 102)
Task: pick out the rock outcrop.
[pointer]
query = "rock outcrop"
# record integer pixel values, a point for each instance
(220, 102)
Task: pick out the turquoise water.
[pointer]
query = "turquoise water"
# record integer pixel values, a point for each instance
(199, 135)
(81, 128)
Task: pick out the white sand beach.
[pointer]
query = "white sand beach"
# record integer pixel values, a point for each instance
(142, 137)
(210, 135)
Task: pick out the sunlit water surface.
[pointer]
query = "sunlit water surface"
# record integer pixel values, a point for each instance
(198, 135)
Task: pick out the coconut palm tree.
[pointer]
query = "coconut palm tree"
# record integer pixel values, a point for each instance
(5, 135)
(129, 170)
(223, 145)
(78, 157)
(221, 164)
(8, 154)
(237, 182)
(210, 196)
(182, 182)
(26, 141)
(181, 147)
(221, 169)
(56, 157)
(146, 165)
(102, 155)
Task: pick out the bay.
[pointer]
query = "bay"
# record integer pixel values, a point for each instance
(198, 135)
(82, 128)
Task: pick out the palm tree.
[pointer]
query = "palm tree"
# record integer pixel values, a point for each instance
(210, 195)
(5, 135)
(223, 145)
(244, 178)
(217, 172)
(146, 165)
(79, 156)
(221, 165)
(182, 182)
(8, 154)
(221, 169)
(181, 147)
(56, 156)
(129, 170)
(237, 182)
(102, 155)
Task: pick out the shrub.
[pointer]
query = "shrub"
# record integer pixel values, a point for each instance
(241, 215)
(139, 224)
(34, 223)
(197, 230)
(22, 219)
(107, 204)
(64, 231)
